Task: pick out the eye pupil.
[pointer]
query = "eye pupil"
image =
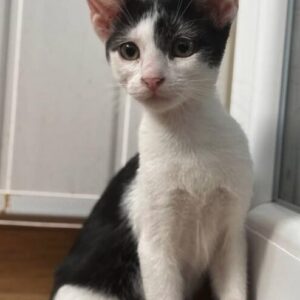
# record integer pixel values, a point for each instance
(183, 48)
(129, 51)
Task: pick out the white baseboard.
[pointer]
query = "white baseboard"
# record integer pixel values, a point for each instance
(47, 204)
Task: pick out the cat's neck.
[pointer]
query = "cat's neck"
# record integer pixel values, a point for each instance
(198, 124)
(192, 115)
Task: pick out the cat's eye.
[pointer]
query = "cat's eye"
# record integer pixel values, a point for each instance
(129, 51)
(183, 47)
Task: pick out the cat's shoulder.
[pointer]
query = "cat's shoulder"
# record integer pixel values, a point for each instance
(110, 200)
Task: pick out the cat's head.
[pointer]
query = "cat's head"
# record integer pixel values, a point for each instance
(164, 52)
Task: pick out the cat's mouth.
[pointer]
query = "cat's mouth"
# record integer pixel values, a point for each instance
(156, 96)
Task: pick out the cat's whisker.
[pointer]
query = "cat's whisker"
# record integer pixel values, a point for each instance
(128, 14)
(125, 12)
(187, 7)
(195, 80)
(194, 21)
(179, 4)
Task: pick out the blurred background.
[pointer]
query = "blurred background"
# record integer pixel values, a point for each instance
(65, 128)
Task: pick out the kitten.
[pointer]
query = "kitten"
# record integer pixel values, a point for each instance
(177, 210)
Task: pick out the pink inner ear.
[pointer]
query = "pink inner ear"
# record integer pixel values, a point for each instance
(101, 27)
(222, 11)
(103, 12)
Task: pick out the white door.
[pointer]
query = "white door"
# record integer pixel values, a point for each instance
(61, 118)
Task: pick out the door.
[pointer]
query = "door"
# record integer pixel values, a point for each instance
(61, 113)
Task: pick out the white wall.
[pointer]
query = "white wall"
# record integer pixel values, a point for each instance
(61, 140)
(257, 84)
(4, 10)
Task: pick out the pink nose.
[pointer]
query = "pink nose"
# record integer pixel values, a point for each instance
(153, 83)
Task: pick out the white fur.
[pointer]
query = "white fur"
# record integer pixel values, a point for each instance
(189, 201)
(192, 193)
(71, 292)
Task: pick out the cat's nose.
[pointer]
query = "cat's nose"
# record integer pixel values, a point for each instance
(153, 83)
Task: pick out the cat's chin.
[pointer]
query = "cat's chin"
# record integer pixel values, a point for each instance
(158, 104)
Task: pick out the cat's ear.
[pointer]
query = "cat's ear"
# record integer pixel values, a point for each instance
(103, 14)
(222, 12)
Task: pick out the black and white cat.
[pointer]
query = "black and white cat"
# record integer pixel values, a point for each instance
(177, 210)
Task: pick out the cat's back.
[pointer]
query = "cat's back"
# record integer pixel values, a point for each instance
(104, 257)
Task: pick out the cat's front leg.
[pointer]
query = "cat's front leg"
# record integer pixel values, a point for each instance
(160, 272)
(228, 269)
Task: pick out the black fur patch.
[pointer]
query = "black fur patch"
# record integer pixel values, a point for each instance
(104, 258)
(189, 20)
(175, 19)
(131, 13)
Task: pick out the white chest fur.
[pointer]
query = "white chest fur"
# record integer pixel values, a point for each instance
(193, 187)
(197, 149)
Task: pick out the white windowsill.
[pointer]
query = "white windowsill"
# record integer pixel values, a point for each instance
(274, 248)
(277, 225)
